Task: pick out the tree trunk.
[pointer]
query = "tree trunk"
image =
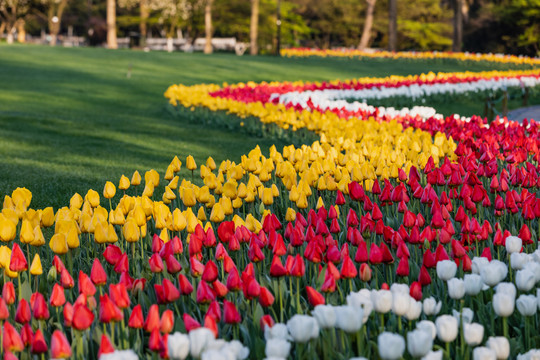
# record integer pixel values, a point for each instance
(392, 25)
(2, 28)
(208, 26)
(458, 25)
(10, 38)
(111, 25)
(368, 24)
(254, 27)
(21, 33)
(144, 19)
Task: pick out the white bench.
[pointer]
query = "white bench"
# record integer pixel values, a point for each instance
(163, 43)
(221, 44)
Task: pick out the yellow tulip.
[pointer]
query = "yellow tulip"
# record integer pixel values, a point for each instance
(204, 195)
(5, 256)
(8, 229)
(267, 197)
(169, 194)
(116, 217)
(112, 237)
(136, 178)
(201, 215)
(164, 235)
(302, 202)
(131, 231)
(27, 232)
(8, 203)
(210, 163)
(253, 224)
(147, 205)
(58, 244)
(176, 164)
(229, 189)
(139, 215)
(290, 216)
(188, 196)
(76, 201)
(144, 229)
(169, 174)
(101, 235)
(320, 203)
(151, 176)
(173, 184)
(190, 163)
(93, 198)
(109, 190)
(124, 183)
(226, 205)
(148, 189)
(11, 215)
(217, 215)
(35, 268)
(237, 203)
(39, 239)
(179, 221)
(21, 197)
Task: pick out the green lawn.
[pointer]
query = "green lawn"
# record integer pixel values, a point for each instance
(71, 119)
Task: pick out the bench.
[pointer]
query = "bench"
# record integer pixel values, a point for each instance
(221, 44)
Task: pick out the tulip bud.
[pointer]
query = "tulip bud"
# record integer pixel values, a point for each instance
(419, 343)
(527, 305)
(493, 272)
(109, 190)
(500, 345)
(178, 346)
(199, 340)
(349, 318)
(473, 333)
(513, 244)
(303, 328)
(382, 300)
(456, 288)
(525, 280)
(391, 346)
(518, 260)
(446, 269)
(447, 328)
(503, 304)
(427, 326)
(431, 306)
(400, 303)
(484, 353)
(473, 284)
(415, 310)
(277, 349)
(325, 316)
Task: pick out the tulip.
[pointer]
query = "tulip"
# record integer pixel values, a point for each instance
(415, 310)
(527, 305)
(466, 314)
(325, 316)
(277, 348)
(4, 311)
(178, 346)
(108, 311)
(136, 320)
(500, 345)
(518, 260)
(60, 348)
(493, 272)
(199, 340)
(348, 318)
(109, 190)
(8, 293)
(166, 323)
(456, 288)
(484, 353)
(361, 299)
(39, 346)
(120, 355)
(303, 328)
(18, 261)
(230, 313)
(503, 304)
(533, 267)
(473, 333)
(419, 343)
(446, 269)
(427, 326)
(391, 346)
(152, 319)
(447, 328)
(382, 300)
(82, 317)
(190, 323)
(431, 306)
(40, 308)
(11, 339)
(525, 280)
(277, 331)
(105, 346)
(35, 268)
(314, 297)
(68, 314)
(513, 244)
(23, 314)
(473, 284)
(478, 263)
(98, 274)
(400, 303)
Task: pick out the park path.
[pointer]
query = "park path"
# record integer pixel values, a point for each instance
(531, 112)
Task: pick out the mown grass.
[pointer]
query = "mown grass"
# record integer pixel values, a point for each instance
(70, 119)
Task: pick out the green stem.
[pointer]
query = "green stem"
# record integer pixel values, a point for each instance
(505, 327)
(298, 295)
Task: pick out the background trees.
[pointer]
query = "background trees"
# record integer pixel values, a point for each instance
(511, 26)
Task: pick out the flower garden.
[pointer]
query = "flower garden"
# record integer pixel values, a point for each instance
(380, 232)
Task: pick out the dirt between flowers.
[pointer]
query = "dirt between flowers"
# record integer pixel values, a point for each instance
(531, 112)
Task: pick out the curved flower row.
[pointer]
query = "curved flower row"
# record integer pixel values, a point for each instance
(346, 52)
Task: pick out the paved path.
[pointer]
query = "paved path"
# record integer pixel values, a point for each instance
(531, 112)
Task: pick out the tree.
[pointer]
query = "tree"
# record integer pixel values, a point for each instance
(392, 25)
(208, 26)
(254, 27)
(111, 24)
(424, 26)
(11, 14)
(368, 24)
(54, 11)
(458, 25)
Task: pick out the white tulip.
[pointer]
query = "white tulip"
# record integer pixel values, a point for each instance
(507, 288)
(217, 344)
(120, 355)
(434, 355)
(494, 272)
(400, 303)
(533, 267)
(391, 346)
(303, 328)
(456, 288)
(277, 348)
(213, 354)
(278, 331)
(533, 354)
(239, 351)
(447, 328)
(473, 284)
(478, 263)
(358, 358)
(513, 244)
(500, 345)
(399, 288)
(525, 280)
(484, 353)
(415, 310)
(325, 316)
(178, 346)
(467, 314)
(349, 319)
(432, 306)
(527, 305)
(427, 326)
(361, 299)
(382, 300)
(199, 340)
(473, 333)
(503, 304)
(446, 269)
(518, 260)
(419, 343)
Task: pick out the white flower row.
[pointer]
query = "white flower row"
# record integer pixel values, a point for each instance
(201, 343)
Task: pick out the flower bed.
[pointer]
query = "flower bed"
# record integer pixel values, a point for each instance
(394, 233)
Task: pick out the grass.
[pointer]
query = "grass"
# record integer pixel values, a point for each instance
(71, 119)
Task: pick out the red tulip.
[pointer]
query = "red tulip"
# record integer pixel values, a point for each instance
(112, 254)
(66, 279)
(173, 266)
(424, 278)
(154, 342)
(196, 267)
(8, 292)
(220, 289)
(122, 265)
(416, 291)
(58, 264)
(156, 263)
(348, 269)
(11, 339)
(119, 295)
(230, 313)
(210, 272)
(98, 274)
(127, 280)
(210, 323)
(27, 335)
(314, 297)
(105, 346)
(8, 355)
(190, 323)
(298, 268)
(18, 261)
(375, 255)
(4, 311)
(82, 317)
(23, 314)
(68, 314)
(251, 288)
(39, 346)
(329, 284)
(185, 286)
(266, 298)
(205, 295)
(214, 310)
(136, 320)
(86, 286)
(403, 267)
(60, 348)
(108, 311)
(166, 323)
(40, 308)
(365, 272)
(277, 269)
(233, 281)
(152, 319)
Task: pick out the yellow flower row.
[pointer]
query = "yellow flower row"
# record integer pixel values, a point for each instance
(499, 58)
